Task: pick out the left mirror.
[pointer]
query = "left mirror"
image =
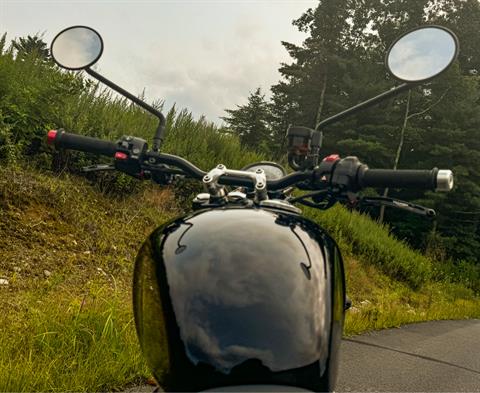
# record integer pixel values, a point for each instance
(77, 48)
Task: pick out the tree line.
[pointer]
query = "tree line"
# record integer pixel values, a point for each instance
(340, 64)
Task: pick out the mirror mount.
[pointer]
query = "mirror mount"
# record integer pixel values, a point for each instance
(365, 104)
(317, 133)
(77, 48)
(415, 57)
(160, 132)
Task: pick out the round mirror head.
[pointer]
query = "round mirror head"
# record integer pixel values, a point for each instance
(76, 48)
(422, 54)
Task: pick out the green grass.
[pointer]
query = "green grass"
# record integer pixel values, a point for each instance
(370, 242)
(37, 96)
(389, 283)
(71, 329)
(70, 342)
(380, 301)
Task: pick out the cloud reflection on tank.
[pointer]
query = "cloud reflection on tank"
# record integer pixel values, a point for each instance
(226, 294)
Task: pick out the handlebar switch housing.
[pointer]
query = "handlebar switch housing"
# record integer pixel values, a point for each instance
(133, 146)
(129, 153)
(345, 175)
(322, 174)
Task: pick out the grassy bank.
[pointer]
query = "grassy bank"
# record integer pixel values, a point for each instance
(70, 339)
(381, 302)
(67, 253)
(389, 283)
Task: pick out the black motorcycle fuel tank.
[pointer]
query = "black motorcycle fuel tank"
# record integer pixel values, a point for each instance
(237, 296)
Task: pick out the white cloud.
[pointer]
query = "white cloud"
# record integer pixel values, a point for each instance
(203, 55)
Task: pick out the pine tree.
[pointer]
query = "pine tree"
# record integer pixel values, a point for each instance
(31, 46)
(251, 122)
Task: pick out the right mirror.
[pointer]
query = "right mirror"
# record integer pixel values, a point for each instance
(422, 54)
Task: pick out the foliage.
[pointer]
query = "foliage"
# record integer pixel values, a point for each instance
(251, 122)
(372, 244)
(37, 96)
(31, 46)
(380, 302)
(71, 342)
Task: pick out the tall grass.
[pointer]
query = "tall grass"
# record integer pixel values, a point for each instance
(67, 253)
(358, 235)
(67, 342)
(372, 244)
(380, 301)
(37, 96)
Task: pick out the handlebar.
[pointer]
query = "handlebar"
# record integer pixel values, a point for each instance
(351, 175)
(66, 140)
(347, 174)
(197, 173)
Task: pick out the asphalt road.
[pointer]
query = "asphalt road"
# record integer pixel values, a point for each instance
(441, 356)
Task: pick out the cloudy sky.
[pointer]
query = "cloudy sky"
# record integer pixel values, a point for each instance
(202, 55)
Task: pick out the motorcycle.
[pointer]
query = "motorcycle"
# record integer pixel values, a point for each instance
(244, 292)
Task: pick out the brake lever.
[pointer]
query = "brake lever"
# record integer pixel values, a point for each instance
(97, 168)
(397, 203)
(321, 199)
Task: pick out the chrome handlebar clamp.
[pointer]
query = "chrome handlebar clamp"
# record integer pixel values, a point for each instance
(259, 180)
(210, 181)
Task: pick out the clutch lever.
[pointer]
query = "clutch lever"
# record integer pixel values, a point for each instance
(397, 203)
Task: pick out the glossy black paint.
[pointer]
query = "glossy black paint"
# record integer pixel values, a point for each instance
(240, 296)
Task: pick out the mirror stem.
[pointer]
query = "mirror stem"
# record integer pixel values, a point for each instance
(159, 134)
(365, 104)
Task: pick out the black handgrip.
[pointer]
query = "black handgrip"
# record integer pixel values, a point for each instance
(404, 178)
(65, 140)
